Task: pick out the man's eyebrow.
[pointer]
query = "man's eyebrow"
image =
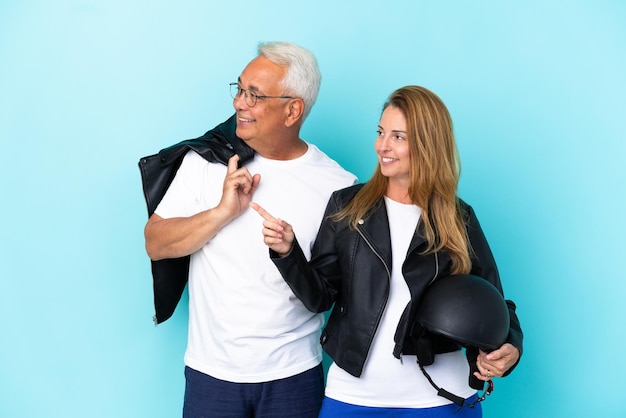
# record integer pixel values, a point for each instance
(251, 88)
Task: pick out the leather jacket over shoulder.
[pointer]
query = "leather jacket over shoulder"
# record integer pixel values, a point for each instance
(352, 270)
(157, 172)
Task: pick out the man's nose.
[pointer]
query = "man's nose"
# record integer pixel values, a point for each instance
(239, 102)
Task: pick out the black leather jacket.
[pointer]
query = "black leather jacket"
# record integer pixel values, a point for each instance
(352, 269)
(157, 172)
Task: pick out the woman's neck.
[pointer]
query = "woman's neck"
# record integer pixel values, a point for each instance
(398, 193)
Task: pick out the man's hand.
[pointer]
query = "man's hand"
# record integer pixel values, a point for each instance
(239, 186)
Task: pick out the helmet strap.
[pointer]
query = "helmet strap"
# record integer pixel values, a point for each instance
(454, 398)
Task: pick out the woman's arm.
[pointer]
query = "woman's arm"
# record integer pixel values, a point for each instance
(484, 265)
(316, 283)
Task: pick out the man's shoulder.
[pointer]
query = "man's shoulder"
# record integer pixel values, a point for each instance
(193, 164)
(320, 156)
(193, 159)
(322, 160)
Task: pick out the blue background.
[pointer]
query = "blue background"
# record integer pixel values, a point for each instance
(536, 91)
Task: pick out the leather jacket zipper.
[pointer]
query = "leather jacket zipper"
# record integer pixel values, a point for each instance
(389, 280)
(380, 315)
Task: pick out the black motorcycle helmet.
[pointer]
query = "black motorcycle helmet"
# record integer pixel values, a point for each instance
(468, 310)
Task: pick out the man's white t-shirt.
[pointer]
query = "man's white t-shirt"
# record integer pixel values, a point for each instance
(387, 381)
(245, 323)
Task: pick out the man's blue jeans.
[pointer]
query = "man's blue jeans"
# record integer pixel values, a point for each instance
(298, 396)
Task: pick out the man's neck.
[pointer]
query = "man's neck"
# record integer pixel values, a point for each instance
(282, 150)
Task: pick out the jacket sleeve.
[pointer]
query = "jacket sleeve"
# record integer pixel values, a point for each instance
(484, 265)
(315, 283)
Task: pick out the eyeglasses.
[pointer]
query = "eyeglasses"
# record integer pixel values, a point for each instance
(250, 97)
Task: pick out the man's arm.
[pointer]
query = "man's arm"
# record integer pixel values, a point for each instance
(178, 237)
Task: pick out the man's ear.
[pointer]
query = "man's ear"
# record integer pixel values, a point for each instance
(295, 111)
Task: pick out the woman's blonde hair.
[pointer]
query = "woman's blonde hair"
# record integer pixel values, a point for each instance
(435, 170)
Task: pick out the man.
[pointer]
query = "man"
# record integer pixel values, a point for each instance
(253, 348)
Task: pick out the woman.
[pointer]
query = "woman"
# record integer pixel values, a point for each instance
(381, 243)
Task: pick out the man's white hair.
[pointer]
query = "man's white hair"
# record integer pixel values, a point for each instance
(303, 77)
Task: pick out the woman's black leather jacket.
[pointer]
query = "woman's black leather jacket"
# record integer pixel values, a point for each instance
(352, 268)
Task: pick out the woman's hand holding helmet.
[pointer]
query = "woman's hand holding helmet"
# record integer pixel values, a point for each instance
(497, 362)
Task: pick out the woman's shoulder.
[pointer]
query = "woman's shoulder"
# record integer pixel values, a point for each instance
(347, 193)
(465, 207)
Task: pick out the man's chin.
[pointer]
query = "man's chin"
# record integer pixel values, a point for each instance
(241, 134)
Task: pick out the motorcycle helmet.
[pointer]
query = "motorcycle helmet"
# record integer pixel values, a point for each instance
(466, 309)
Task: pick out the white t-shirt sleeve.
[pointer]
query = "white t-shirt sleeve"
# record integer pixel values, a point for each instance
(183, 197)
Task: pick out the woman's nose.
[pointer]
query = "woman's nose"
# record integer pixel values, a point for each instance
(382, 143)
